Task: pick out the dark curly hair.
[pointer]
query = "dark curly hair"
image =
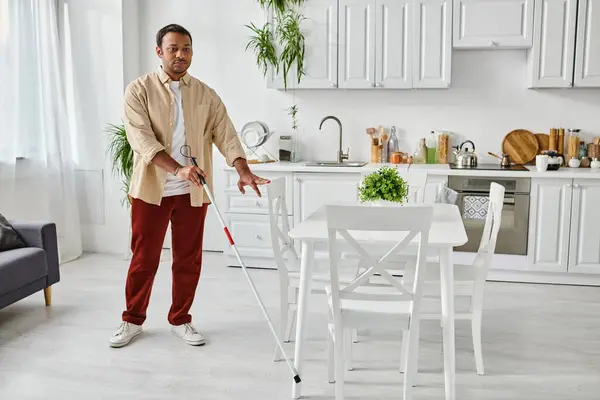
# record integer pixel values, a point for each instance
(171, 28)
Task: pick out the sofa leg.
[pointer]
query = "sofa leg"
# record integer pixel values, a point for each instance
(48, 295)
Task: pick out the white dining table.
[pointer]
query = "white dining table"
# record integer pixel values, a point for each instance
(447, 230)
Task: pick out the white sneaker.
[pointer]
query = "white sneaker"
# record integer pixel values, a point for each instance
(126, 332)
(189, 334)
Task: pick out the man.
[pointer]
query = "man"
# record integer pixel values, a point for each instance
(165, 110)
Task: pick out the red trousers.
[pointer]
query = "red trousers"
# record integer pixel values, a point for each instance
(149, 226)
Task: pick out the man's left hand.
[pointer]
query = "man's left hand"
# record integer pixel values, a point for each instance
(247, 178)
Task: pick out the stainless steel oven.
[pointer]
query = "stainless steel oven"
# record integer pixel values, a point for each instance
(473, 197)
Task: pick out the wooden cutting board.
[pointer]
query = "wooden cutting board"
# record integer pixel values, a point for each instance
(521, 145)
(543, 140)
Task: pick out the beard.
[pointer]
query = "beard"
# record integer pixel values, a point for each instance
(179, 66)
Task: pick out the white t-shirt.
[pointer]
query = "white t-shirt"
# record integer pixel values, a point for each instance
(175, 186)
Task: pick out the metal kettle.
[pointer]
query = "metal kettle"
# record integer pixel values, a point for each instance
(465, 158)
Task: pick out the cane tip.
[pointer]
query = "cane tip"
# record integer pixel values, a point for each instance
(297, 379)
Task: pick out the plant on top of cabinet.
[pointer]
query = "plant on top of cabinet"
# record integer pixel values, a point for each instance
(383, 186)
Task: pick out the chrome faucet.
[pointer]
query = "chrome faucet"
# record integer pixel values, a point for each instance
(340, 154)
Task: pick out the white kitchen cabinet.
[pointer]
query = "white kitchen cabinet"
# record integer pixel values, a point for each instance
(550, 63)
(356, 44)
(432, 44)
(397, 44)
(312, 190)
(320, 29)
(249, 203)
(394, 24)
(549, 224)
(584, 249)
(566, 44)
(493, 24)
(587, 52)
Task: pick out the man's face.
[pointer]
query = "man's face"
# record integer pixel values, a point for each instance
(175, 52)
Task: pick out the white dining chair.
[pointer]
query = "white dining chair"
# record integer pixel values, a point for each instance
(469, 279)
(288, 262)
(417, 183)
(359, 304)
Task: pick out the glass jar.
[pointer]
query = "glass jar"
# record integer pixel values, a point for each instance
(582, 149)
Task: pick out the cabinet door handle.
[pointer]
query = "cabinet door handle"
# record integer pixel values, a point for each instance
(257, 203)
(576, 186)
(569, 185)
(258, 236)
(372, 85)
(333, 84)
(492, 43)
(378, 85)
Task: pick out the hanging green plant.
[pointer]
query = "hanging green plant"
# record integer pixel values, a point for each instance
(292, 42)
(262, 44)
(279, 5)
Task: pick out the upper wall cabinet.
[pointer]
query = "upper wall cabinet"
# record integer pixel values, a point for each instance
(380, 44)
(551, 57)
(566, 44)
(433, 44)
(480, 24)
(587, 52)
(320, 31)
(394, 44)
(356, 44)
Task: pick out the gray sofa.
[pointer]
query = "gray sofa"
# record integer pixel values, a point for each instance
(31, 269)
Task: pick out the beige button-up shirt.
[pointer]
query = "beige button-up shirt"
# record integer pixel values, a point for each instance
(149, 118)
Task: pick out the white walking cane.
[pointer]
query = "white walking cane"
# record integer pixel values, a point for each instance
(232, 244)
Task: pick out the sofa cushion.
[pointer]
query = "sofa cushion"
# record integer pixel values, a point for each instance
(20, 267)
(9, 238)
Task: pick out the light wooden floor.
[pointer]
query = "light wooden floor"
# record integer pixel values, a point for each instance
(540, 342)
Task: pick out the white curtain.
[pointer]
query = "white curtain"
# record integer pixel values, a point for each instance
(36, 160)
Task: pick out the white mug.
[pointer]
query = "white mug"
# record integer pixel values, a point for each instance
(541, 162)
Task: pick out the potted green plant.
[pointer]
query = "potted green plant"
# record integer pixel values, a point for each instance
(383, 187)
(121, 156)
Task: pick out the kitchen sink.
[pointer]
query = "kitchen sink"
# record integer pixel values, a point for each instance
(335, 164)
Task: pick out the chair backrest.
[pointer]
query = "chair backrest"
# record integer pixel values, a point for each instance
(280, 227)
(487, 245)
(350, 224)
(416, 180)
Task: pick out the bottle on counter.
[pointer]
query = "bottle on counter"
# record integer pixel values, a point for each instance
(420, 156)
(384, 154)
(431, 149)
(393, 145)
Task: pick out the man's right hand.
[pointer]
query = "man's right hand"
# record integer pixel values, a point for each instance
(191, 173)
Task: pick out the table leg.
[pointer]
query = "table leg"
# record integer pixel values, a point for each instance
(447, 293)
(306, 267)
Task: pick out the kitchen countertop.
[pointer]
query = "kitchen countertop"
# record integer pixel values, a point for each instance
(433, 169)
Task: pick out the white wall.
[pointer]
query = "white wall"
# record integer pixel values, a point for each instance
(97, 53)
(488, 97)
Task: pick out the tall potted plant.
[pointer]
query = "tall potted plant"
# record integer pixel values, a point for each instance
(121, 156)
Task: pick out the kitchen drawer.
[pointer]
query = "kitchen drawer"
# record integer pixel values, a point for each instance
(251, 233)
(250, 203)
